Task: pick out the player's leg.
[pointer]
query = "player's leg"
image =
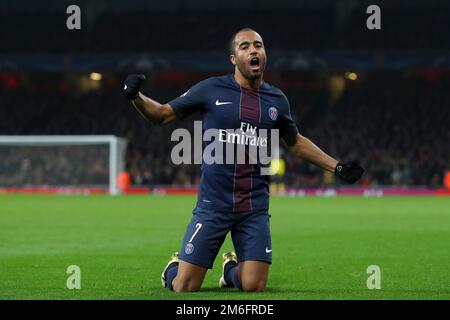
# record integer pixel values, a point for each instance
(203, 238)
(252, 241)
(189, 277)
(253, 275)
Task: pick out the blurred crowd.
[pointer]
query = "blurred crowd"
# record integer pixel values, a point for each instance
(399, 129)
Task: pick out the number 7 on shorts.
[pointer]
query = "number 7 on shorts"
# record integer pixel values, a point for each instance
(197, 228)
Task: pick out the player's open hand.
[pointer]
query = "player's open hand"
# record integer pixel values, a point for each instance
(132, 85)
(350, 172)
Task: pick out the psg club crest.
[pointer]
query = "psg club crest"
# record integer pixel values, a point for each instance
(273, 113)
(189, 248)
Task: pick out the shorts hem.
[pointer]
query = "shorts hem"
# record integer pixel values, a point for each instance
(197, 263)
(269, 261)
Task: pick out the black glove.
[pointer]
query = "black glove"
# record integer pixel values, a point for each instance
(349, 172)
(132, 85)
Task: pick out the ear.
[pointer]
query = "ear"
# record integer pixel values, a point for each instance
(233, 59)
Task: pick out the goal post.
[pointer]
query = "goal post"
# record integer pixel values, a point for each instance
(66, 161)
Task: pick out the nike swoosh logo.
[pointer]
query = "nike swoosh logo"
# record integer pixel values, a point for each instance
(222, 103)
(268, 251)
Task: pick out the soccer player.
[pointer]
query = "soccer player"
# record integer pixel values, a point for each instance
(233, 197)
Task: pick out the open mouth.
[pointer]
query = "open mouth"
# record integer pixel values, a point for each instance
(254, 63)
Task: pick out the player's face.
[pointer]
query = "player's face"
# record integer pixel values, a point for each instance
(249, 54)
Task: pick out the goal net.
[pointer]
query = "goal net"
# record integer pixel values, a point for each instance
(65, 163)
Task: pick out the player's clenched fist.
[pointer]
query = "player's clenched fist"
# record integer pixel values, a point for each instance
(349, 172)
(132, 85)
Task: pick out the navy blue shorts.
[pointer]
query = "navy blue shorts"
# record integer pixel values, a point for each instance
(206, 232)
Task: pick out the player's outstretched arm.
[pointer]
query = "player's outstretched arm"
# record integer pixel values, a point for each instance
(305, 149)
(148, 108)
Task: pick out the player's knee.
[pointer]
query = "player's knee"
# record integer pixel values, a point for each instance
(253, 286)
(186, 285)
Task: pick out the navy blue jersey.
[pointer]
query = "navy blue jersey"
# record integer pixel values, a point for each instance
(224, 104)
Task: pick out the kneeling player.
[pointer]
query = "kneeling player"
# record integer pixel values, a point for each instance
(233, 197)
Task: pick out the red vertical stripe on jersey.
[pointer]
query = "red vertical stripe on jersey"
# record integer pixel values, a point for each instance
(249, 110)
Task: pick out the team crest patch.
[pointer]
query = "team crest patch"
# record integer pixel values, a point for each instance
(189, 248)
(273, 113)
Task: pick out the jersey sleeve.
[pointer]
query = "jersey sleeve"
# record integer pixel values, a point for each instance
(288, 128)
(189, 102)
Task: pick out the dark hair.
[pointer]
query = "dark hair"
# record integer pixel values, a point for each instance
(231, 43)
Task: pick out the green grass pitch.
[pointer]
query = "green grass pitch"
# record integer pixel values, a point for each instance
(321, 247)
